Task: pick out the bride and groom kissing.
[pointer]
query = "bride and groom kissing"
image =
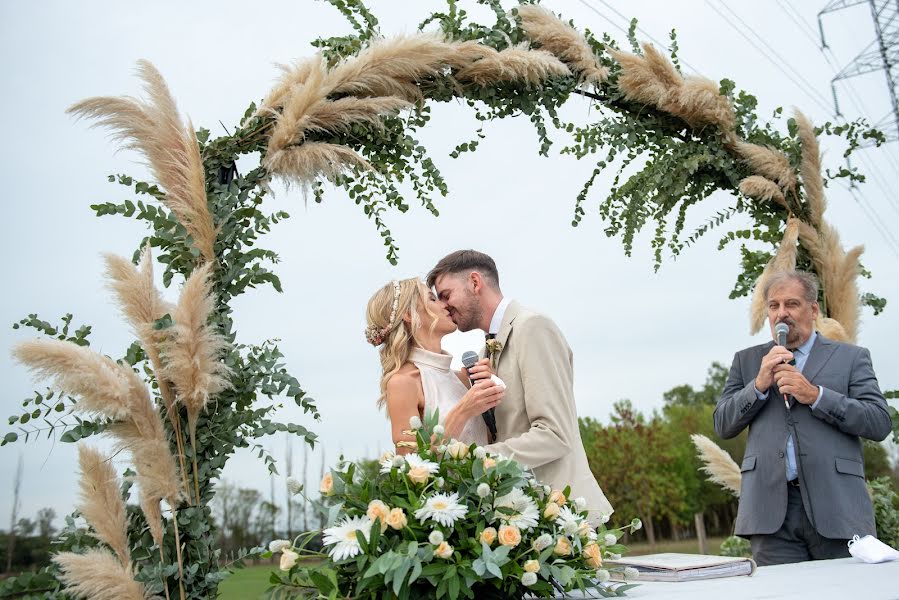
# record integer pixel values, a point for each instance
(533, 401)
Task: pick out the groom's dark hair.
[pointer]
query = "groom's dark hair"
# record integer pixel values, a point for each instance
(465, 261)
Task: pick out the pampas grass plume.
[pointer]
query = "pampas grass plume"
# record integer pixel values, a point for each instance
(562, 40)
(98, 575)
(719, 466)
(101, 502)
(760, 188)
(518, 63)
(810, 169)
(304, 164)
(768, 162)
(783, 260)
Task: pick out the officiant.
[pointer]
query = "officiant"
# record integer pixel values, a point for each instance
(806, 403)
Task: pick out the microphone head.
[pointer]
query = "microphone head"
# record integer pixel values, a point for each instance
(469, 359)
(781, 330)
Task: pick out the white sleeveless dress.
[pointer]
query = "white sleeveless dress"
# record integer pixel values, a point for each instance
(443, 390)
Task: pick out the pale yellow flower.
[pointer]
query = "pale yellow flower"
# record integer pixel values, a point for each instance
(593, 555)
(563, 546)
(288, 560)
(489, 463)
(419, 474)
(327, 485)
(444, 550)
(509, 535)
(558, 497)
(396, 518)
(532, 566)
(457, 450)
(488, 536)
(584, 529)
(378, 510)
(551, 511)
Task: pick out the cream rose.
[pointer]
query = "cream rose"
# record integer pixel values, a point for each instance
(419, 474)
(532, 566)
(288, 560)
(444, 550)
(558, 497)
(593, 555)
(509, 535)
(396, 518)
(457, 450)
(489, 463)
(488, 536)
(584, 529)
(327, 485)
(563, 546)
(551, 511)
(378, 510)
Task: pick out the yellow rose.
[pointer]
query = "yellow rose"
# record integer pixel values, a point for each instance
(327, 485)
(531, 566)
(509, 535)
(593, 555)
(551, 511)
(488, 536)
(584, 529)
(444, 550)
(558, 497)
(396, 518)
(457, 450)
(419, 474)
(489, 463)
(563, 546)
(378, 510)
(288, 559)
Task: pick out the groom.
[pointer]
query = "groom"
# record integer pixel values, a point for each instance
(537, 423)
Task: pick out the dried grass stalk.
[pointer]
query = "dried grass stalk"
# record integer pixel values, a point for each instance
(303, 99)
(783, 260)
(292, 75)
(98, 575)
(562, 40)
(760, 188)
(101, 502)
(154, 128)
(102, 386)
(719, 466)
(768, 162)
(810, 169)
(518, 63)
(306, 163)
(192, 354)
(831, 329)
(700, 103)
(340, 115)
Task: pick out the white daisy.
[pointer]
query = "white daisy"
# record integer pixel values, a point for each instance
(442, 508)
(526, 513)
(343, 537)
(568, 520)
(387, 461)
(414, 460)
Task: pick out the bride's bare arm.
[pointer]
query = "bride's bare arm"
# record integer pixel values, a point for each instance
(404, 401)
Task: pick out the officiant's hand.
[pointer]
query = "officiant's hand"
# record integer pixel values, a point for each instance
(791, 381)
(481, 370)
(778, 355)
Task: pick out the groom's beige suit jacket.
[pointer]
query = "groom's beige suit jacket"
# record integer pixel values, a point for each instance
(537, 420)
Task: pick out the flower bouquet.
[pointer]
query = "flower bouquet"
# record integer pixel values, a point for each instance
(451, 520)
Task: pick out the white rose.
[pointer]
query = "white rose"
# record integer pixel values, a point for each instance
(276, 546)
(415, 422)
(483, 490)
(528, 579)
(288, 560)
(436, 537)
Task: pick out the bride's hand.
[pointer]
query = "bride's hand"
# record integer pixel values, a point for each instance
(481, 370)
(484, 395)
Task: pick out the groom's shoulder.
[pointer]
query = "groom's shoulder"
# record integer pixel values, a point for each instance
(529, 318)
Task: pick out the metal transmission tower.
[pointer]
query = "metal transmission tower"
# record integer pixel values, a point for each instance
(882, 54)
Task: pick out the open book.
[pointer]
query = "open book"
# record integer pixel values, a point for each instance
(672, 566)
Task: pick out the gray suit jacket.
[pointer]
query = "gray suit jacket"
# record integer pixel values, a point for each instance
(537, 420)
(826, 439)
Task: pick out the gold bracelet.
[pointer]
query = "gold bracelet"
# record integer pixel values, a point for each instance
(406, 444)
(410, 432)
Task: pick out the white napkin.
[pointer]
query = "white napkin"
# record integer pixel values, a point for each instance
(498, 381)
(871, 550)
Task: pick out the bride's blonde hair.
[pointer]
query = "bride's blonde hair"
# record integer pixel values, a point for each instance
(386, 326)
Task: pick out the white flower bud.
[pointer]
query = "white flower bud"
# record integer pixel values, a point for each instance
(483, 490)
(439, 482)
(415, 422)
(528, 579)
(613, 556)
(636, 524)
(543, 542)
(631, 574)
(441, 449)
(294, 486)
(571, 527)
(398, 460)
(603, 575)
(605, 518)
(611, 540)
(547, 490)
(580, 503)
(436, 537)
(480, 453)
(438, 430)
(278, 545)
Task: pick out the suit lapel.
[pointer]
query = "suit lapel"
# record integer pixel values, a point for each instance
(820, 353)
(505, 328)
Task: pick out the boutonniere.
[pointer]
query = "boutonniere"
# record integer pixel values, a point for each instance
(494, 347)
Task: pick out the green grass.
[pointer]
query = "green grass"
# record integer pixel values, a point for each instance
(251, 583)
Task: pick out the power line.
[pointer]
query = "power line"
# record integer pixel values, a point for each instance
(885, 233)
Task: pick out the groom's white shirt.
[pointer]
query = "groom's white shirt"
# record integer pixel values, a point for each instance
(498, 315)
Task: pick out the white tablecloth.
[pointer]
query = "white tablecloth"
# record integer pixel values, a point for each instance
(840, 579)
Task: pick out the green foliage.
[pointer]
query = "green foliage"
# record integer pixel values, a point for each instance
(736, 546)
(886, 510)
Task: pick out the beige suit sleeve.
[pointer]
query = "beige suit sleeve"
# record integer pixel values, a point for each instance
(545, 363)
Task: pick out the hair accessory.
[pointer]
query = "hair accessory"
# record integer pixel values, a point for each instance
(377, 335)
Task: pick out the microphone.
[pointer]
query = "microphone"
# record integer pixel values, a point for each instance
(781, 330)
(470, 359)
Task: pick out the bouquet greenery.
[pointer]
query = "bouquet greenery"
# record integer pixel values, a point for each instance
(451, 520)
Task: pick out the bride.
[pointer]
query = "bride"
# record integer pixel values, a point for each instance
(407, 321)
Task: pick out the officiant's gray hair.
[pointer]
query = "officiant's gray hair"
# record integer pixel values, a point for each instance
(808, 281)
(465, 261)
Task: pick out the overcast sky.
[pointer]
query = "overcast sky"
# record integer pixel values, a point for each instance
(635, 333)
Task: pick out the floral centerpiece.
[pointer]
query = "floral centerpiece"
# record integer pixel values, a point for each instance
(451, 520)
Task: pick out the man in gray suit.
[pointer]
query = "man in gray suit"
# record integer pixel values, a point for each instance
(537, 422)
(803, 491)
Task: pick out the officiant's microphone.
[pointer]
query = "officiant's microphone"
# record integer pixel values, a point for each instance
(470, 359)
(780, 331)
